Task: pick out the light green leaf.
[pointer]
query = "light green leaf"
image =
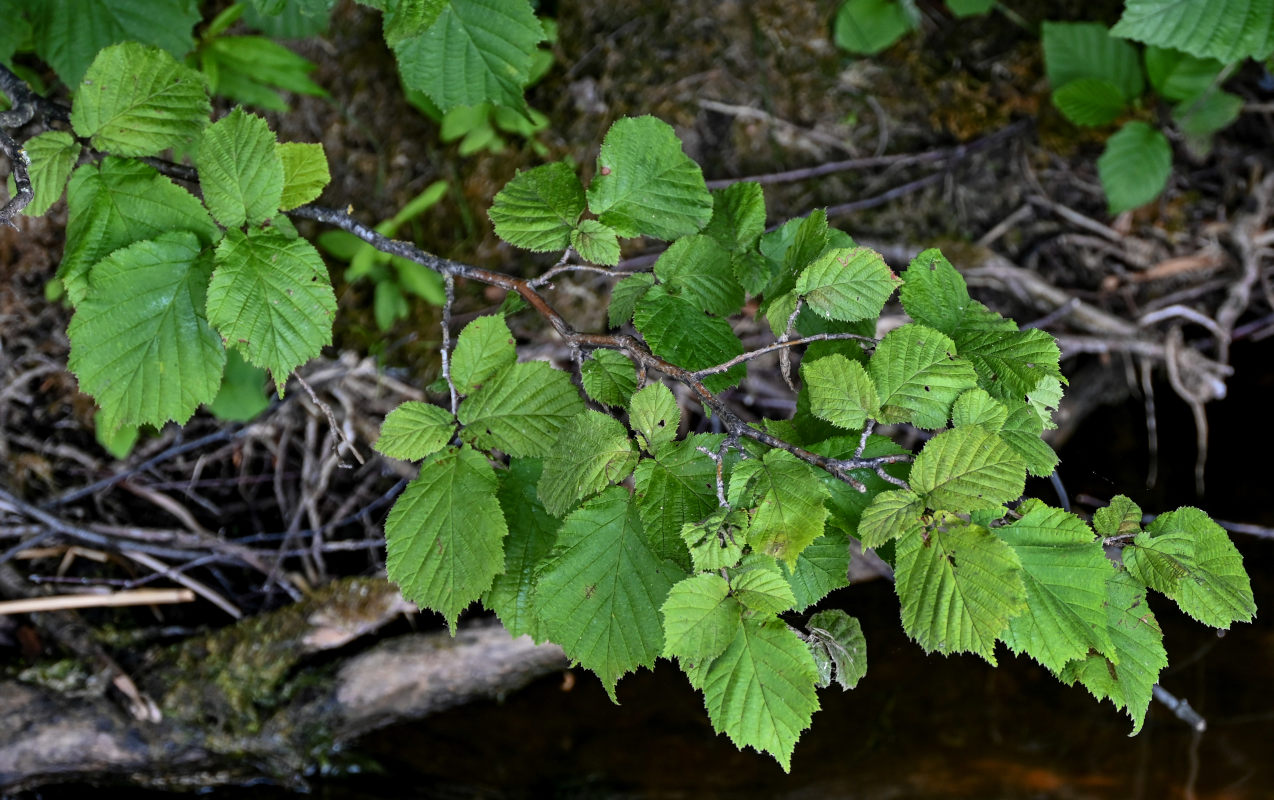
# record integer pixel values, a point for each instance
(591, 452)
(443, 537)
(484, 347)
(415, 430)
(1044, 400)
(305, 173)
(847, 284)
(891, 515)
(918, 376)
(1128, 675)
(788, 499)
(532, 531)
(700, 618)
(959, 586)
(609, 377)
(645, 185)
(967, 469)
(249, 69)
(698, 269)
(520, 409)
(1021, 432)
(933, 293)
(140, 343)
(680, 332)
(1065, 570)
(976, 407)
(119, 442)
(271, 299)
(596, 243)
(760, 691)
(242, 394)
(1121, 518)
(655, 417)
(600, 593)
(1134, 167)
(1180, 76)
(866, 27)
(821, 568)
(539, 208)
(1075, 50)
(1010, 364)
(466, 52)
(836, 640)
(759, 584)
(116, 204)
(53, 155)
(240, 170)
(625, 296)
(738, 215)
(1090, 101)
(69, 33)
(717, 540)
(841, 391)
(1190, 558)
(675, 489)
(1227, 30)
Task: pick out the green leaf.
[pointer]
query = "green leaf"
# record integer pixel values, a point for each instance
(1075, 50)
(836, 640)
(645, 185)
(752, 270)
(717, 540)
(759, 584)
(609, 377)
(539, 208)
(841, 391)
(414, 431)
(1134, 167)
(866, 27)
(821, 568)
(847, 503)
(959, 586)
(1065, 570)
(289, 19)
(1021, 432)
(698, 269)
(933, 293)
(625, 296)
(248, 69)
(532, 531)
(675, 489)
(305, 173)
(484, 347)
(272, 300)
(1190, 558)
(596, 243)
(738, 216)
(1010, 364)
(443, 537)
(700, 618)
(760, 691)
(116, 204)
(69, 33)
(52, 155)
(788, 499)
(677, 330)
(1180, 76)
(600, 593)
(970, 8)
(967, 469)
(1227, 30)
(1127, 676)
(118, 441)
(242, 395)
(1199, 118)
(847, 284)
(1090, 101)
(140, 343)
(15, 34)
(240, 170)
(655, 417)
(591, 452)
(466, 52)
(520, 409)
(976, 407)
(891, 515)
(918, 376)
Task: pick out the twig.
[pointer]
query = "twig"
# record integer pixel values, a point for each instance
(185, 580)
(1180, 708)
(331, 418)
(63, 602)
(450, 283)
(780, 345)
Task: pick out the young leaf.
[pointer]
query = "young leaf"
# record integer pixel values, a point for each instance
(717, 540)
(140, 343)
(520, 409)
(1090, 101)
(976, 407)
(866, 27)
(788, 499)
(738, 216)
(1121, 518)
(609, 377)
(959, 586)
(305, 173)
(240, 170)
(1065, 571)
(677, 330)
(1075, 50)
(591, 452)
(759, 584)
(645, 185)
(1188, 557)
(1227, 30)
(1179, 76)
(698, 269)
(933, 293)
(539, 208)
(836, 640)
(53, 155)
(840, 391)
(891, 515)
(249, 68)
(1127, 676)
(700, 618)
(532, 531)
(625, 296)
(69, 33)
(821, 568)
(484, 347)
(760, 691)
(272, 300)
(1135, 166)
(967, 469)
(443, 537)
(847, 284)
(655, 417)
(600, 592)
(596, 243)
(415, 430)
(160, 104)
(675, 489)
(918, 376)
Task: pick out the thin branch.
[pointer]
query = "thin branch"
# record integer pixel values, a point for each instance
(450, 283)
(63, 602)
(780, 345)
